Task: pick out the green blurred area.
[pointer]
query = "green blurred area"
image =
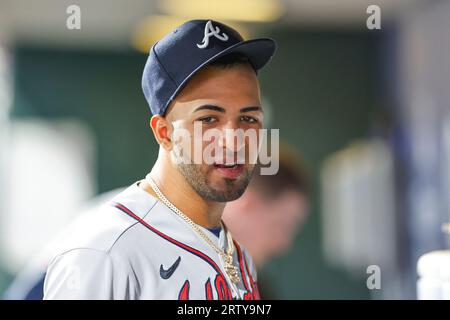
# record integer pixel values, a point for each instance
(5, 280)
(320, 84)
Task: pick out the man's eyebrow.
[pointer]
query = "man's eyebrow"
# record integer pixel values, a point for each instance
(220, 109)
(249, 109)
(210, 107)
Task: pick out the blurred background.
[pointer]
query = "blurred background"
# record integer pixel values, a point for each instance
(367, 109)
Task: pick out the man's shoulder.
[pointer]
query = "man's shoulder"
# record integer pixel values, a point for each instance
(101, 227)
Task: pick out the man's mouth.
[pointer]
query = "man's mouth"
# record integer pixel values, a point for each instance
(231, 171)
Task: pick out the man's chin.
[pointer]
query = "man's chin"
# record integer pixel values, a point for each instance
(213, 186)
(224, 195)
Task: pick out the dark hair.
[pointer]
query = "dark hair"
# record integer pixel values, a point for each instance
(232, 60)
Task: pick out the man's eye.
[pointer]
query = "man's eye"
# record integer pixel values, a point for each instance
(207, 119)
(249, 119)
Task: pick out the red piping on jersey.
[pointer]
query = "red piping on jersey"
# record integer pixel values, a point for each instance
(201, 255)
(241, 265)
(254, 285)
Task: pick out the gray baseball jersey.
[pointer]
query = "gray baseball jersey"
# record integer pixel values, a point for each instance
(135, 247)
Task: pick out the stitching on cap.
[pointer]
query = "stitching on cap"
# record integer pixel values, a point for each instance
(162, 66)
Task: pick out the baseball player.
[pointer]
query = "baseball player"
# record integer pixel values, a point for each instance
(163, 237)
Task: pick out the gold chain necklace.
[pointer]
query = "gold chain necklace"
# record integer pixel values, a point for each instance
(230, 268)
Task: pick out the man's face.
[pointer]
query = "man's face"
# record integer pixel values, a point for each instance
(217, 100)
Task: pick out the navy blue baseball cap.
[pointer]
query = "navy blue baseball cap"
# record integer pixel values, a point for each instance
(178, 56)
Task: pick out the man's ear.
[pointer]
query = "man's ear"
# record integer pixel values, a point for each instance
(162, 130)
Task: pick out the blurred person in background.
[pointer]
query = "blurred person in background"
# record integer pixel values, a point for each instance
(266, 218)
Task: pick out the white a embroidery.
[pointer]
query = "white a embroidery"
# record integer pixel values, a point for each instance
(209, 32)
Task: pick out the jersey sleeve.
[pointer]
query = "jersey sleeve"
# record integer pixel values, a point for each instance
(87, 274)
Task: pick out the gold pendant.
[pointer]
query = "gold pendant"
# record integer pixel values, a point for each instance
(232, 272)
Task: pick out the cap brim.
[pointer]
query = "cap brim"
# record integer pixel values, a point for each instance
(258, 51)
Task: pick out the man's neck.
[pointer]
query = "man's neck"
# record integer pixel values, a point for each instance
(178, 191)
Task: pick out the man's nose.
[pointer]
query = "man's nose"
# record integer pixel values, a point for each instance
(232, 137)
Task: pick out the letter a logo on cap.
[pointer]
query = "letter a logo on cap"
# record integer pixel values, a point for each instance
(209, 32)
